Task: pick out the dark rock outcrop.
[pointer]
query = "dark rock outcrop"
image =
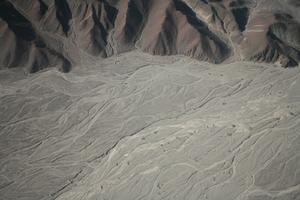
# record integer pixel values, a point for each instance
(273, 38)
(22, 45)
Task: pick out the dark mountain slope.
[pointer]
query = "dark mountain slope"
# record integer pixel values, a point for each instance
(37, 34)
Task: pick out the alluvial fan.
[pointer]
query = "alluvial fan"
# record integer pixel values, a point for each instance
(142, 127)
(149, 100)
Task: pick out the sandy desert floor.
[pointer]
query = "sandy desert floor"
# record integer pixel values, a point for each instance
(138, 127)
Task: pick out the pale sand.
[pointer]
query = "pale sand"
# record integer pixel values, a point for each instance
(143, 127)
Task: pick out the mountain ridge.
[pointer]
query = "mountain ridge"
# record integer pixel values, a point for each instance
(38, 34)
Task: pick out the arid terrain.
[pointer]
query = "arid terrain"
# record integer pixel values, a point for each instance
(143, 127)
(149, 100)
(38, 34)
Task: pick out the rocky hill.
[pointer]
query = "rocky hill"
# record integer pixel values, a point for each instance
(38, 34)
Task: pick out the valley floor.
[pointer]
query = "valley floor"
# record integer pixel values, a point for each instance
(138, 127)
